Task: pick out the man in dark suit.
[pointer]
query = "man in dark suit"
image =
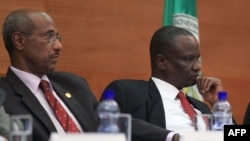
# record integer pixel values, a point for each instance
(175, 64)
(246, 119)
(33, 44)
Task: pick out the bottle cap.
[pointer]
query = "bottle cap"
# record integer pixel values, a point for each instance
(109, 94)
(222, 95)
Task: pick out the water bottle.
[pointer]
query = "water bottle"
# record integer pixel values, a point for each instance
(108, 112)
(222, 112)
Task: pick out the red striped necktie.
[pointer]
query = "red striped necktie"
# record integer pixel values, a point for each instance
(62, 116)
(186, 105)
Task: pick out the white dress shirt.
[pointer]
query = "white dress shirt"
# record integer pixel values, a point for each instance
(176, 118)
(32, 82)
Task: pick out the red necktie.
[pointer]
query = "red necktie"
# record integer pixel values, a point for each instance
(186, 105)
(65, 120)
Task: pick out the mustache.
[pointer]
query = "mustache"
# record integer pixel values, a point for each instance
(55, 55)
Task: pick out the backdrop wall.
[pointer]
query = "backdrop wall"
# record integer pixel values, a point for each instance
(109, 40)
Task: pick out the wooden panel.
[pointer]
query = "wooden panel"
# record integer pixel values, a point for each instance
(225, 45)
(109, 40)
(106, 40)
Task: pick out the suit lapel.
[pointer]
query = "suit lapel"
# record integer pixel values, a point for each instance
(71, 102)
(29, 100)
(155, 110)
(199, 105)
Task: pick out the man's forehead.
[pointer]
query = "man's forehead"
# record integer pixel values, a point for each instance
(186, 40)
(43, 22)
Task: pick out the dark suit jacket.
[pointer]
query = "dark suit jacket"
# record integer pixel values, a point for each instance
(143, 101)
(4, 118)
(247, 115)
(20, 100)
(2, 96)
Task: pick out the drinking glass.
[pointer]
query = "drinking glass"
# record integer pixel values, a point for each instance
(20, 128)
(203, 122)
(124, 123)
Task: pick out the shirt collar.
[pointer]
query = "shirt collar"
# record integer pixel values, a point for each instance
(30, 80)
(166, 89)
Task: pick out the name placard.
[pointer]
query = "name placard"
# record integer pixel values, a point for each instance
(88, 137)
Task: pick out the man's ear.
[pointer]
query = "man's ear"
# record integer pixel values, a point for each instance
(18, 40)
(161, 61)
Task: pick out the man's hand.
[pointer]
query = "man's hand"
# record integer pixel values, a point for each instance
(209, 88)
